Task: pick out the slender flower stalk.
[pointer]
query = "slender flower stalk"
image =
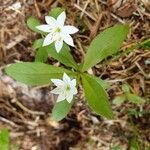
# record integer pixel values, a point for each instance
(57, 31)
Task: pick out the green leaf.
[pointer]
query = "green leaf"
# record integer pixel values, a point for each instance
(60, 110)
(116, 147)
(126, 88)
(4, 139)
(118, 100)
(36, 73)
(32, 23)
(146, 44)
(103, 83)
(105, 44)
(37, 43)
(134, 98)
(96, 96)
(55, 12)
(134, 144)
(63, 56)
(41, 55)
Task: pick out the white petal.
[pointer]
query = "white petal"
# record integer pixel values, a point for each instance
(73, 83)
(70, 29)
(56, 90)
(66, 78)
(58, 45)
(58, 82)
(50, 21)
(69, 97)
(74, 90)
(68, 39)
(61, 19)
(48, 40)
(44, 28)
(61, 97)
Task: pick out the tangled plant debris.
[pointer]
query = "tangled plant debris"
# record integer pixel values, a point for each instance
(25, 110)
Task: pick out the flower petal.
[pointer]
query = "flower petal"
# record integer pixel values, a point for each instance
(50, 21)
(61, 19)
(58, 45)
(70, 29)
(68, 39)
(66, 78)
(69, 97)
(57, 82)
(56, 90)
(61, 97)
(48, 40)
(74, 90)
(44, 28)
(73, 83)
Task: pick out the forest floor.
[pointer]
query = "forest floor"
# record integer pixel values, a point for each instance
(26, 111)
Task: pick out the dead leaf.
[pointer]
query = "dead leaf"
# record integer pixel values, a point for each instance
(122, 9)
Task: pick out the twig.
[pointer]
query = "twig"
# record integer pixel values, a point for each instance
(8, 121)
(85, 6)
(28, 110)
(96, 26)
(81, 9)
(147, 76)
(37, 9)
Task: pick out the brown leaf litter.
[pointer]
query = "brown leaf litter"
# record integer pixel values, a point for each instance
(26, 111)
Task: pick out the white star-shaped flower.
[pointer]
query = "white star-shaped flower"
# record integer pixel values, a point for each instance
(66, 88)
(57, 31)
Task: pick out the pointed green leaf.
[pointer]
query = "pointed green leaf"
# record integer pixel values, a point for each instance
(96, 96)
(32, 23)
(55, 12)
(37, 43)
(105, 44)
(63, 56)
(41, 55)
(126, 88)
(135, 98)
(103, 83)
(118, 100)
(146, 44)
(60, 110)
(36, 73)
(4, 139)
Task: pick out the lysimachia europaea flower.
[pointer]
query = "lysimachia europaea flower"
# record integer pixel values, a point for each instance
(66, 88)
(57, 31)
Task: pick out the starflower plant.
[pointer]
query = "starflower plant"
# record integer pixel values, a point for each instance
(57, 31)
(68, 78)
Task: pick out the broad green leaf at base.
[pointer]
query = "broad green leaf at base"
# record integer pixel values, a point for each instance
(96, 96)
(105, 44)
(32, 23)
(103, 83)
(41, 55)
(37, 43)
(36, 73)
(60, 110)
(63, 56)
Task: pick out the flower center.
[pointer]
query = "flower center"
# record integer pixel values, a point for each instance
(67, 88)
(58, 30)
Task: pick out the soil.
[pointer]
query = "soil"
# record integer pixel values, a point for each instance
(26, 111)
